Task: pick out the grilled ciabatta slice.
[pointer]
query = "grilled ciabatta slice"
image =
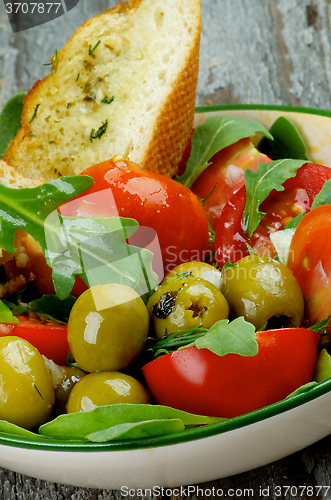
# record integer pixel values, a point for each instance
(124, 84)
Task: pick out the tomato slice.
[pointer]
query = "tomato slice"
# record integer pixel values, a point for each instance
(280, 208)
(227, 173)
(199, 381)
(49, 338)
(310, 261)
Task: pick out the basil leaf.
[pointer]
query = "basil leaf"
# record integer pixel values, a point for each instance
(287, 141)
(6, 315)
(136, 430)
(210, 137)
(260, 183)
(237, 337)
(79, 425)
(10, 119)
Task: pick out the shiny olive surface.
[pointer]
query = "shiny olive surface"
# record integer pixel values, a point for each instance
(108, 327)
(106, 388)
(71, 376)
(197, 270)
(259, 289)
(186, 303)
(26, 390)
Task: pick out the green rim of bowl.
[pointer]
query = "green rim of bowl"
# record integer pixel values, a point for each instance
(40, 443)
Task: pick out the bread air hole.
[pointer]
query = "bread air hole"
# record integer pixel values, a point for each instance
(158, 18)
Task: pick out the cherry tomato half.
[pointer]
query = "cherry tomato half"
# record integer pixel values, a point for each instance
(227, 173)
(310, 261)
(155, 201)
(199, 381)
(280, 208)
(49, 338)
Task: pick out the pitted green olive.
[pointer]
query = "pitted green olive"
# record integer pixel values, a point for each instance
(26, 389)
(106, 388)
(71, 375)
(263, 290)
(186, 303)
(197, 270)
(107, 328)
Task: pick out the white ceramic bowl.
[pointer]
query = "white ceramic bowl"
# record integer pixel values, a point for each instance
(205, 453)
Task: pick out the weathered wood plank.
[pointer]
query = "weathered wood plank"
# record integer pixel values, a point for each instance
(252, 51)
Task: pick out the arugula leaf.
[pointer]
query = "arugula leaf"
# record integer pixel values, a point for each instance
(48, 306)
(302, 389)
(16, 430)
(6, 315)
(324, 196)
(79, 425)
(10, 119)
(210, 137)
(287, 141)
(96, 250)
(27, 208)
(260, 183)
(136, 430)
(237, 337)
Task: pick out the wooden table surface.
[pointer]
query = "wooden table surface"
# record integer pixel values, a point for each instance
(252, 51)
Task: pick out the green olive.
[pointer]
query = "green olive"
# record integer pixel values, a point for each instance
(186, 303)
(71, 375)
(263, 291)
(108, 327)
(26, 389)
(106, 388)
(197, 270)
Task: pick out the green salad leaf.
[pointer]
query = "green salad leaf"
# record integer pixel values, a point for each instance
(48, 306)
(28, 208)
(10, 118)
(287, 142)
(83, 424)
(136, 430)
(210, 137)
(95, 249)
(260, 183)
(6, 315)
(224, 337)
(16, 430)
(324, 196)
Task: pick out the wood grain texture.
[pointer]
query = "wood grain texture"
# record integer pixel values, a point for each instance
(252, 51)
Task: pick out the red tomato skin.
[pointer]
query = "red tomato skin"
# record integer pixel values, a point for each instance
(49, 339)
(230, 239)
(199, 381)
(243, 154)
(310, 261)
(155, 201)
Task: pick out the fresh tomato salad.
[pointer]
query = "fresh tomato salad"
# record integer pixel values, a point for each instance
(164, 303)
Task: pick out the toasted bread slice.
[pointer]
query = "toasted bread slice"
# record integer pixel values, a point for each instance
(124, 84)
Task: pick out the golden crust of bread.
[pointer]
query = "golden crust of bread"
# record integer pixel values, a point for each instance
(147, 53)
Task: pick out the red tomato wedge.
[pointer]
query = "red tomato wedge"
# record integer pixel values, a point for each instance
(310, 261)
(227, 172)
(280, 208)
(49, 338)
(124, 189)
(199, 381)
